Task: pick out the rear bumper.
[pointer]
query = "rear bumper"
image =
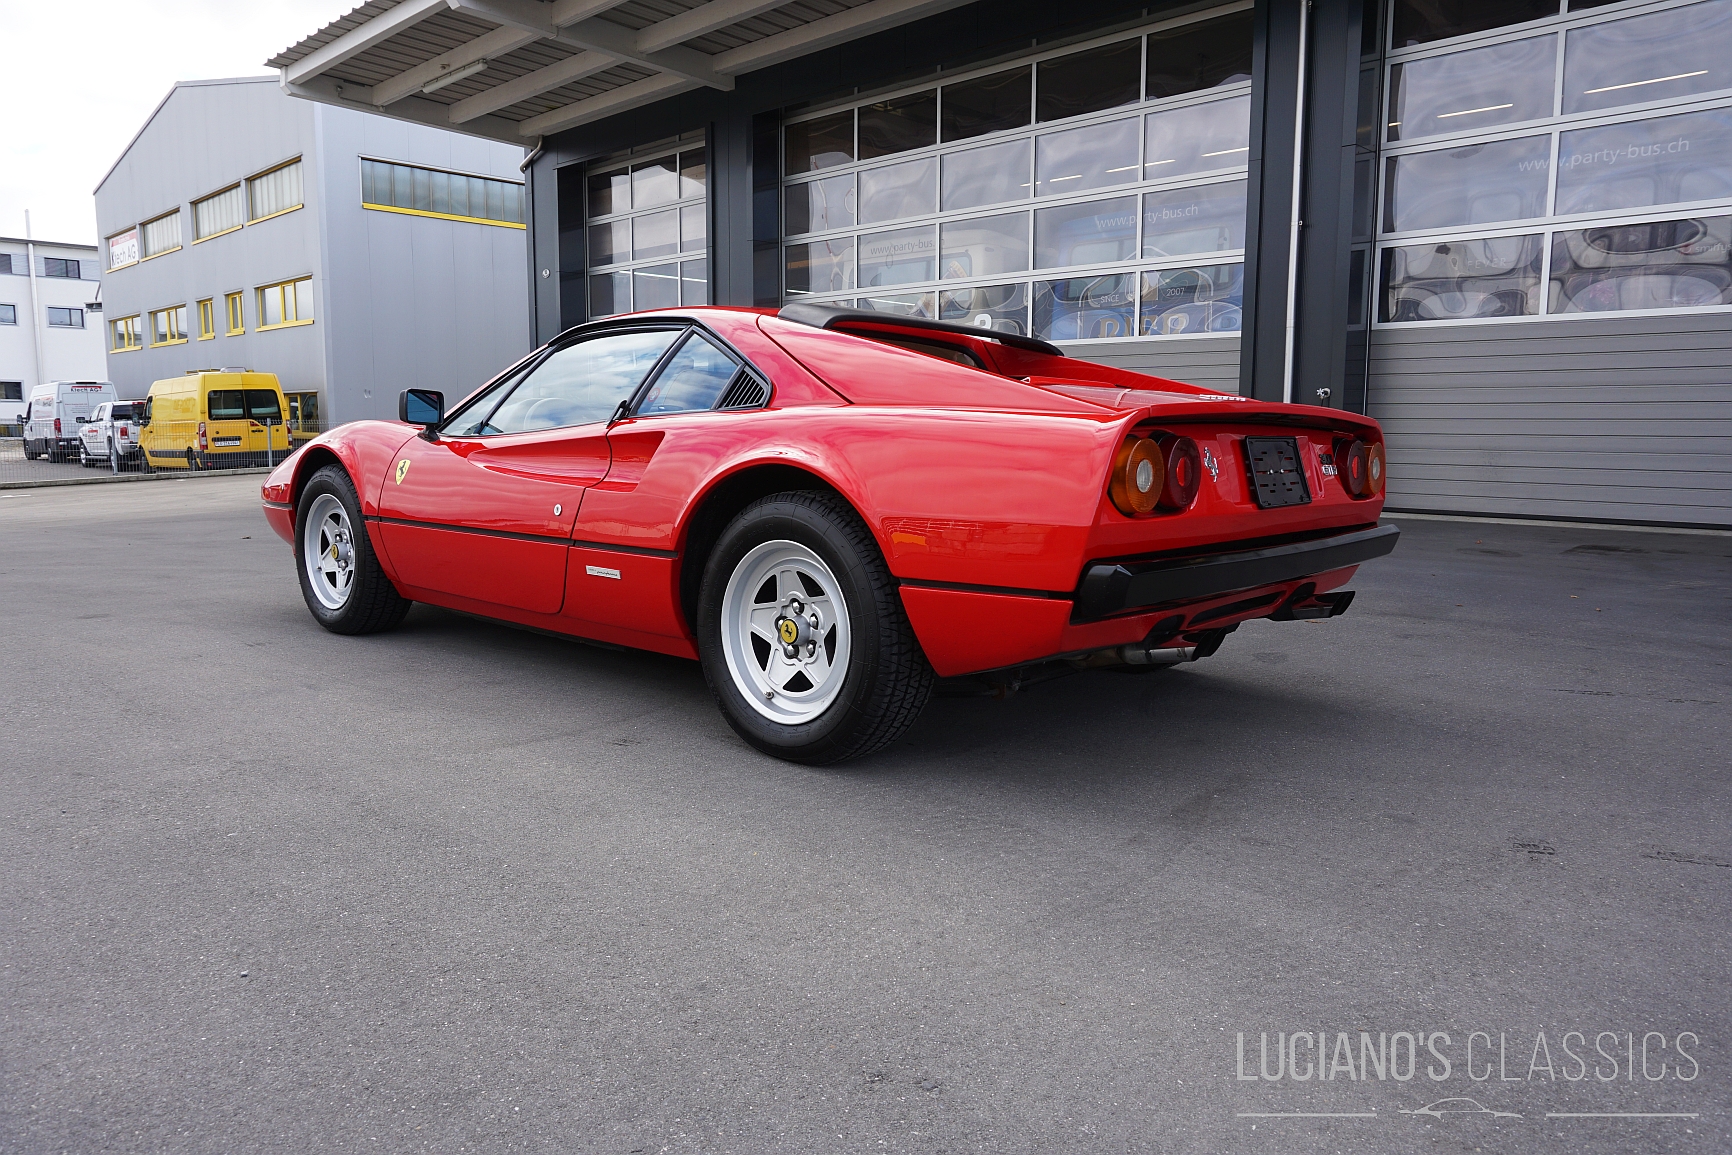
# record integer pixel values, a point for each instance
(1110, 588)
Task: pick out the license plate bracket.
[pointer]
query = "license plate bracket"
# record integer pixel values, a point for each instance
(1277, 473)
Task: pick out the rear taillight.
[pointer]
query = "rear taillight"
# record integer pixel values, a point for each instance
(1360, 467)
(1161, 472)
(203, 445)
(1184, 473)
(1139, 476)
(57, 427)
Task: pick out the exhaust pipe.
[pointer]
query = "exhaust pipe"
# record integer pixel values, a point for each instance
(1139, 655)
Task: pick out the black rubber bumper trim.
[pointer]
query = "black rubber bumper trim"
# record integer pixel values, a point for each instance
(1111, 588)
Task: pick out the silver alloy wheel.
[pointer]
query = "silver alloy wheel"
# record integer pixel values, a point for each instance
(785, 632)
(328, 552)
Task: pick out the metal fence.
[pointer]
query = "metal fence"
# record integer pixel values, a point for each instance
(166, 447)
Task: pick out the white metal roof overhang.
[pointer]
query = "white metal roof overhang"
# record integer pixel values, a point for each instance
(518, 70)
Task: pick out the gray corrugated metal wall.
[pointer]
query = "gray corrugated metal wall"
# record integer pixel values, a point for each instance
(1208, 361)
(1609, 419)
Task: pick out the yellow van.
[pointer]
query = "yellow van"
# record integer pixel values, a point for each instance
(214, 420)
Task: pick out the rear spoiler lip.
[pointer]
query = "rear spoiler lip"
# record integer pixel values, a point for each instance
(833, 316)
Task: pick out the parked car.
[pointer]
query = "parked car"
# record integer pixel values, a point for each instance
(110, 436)
(832, 509)
(215, 420)
(56, 413)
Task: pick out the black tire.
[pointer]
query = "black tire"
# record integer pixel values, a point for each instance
(373, 603)
(887, 680)
(191, 461)
(29, 453)
(144, 465)
(84, 459)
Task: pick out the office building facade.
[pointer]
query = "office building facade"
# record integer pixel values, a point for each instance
(351, 255)
(1502, 228)
(50, 318)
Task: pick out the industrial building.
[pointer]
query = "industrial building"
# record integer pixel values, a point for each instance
(1501, 227)
(350, 254)
(50, 318)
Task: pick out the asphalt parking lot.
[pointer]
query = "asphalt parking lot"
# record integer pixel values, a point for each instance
(461, 888)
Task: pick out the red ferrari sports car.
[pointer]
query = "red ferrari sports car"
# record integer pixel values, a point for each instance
(832, 510)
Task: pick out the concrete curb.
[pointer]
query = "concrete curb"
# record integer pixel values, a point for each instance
(113, 478)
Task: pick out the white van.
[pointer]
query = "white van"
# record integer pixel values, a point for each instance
(55, 413)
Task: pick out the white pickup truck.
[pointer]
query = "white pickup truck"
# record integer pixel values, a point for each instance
(110, 436)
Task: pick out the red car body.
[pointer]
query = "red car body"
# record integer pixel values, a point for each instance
(986, 489)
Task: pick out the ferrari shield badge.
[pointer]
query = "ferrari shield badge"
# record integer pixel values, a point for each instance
(402, 470)
(788, 631)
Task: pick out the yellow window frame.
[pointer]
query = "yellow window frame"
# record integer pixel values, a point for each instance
(235, 305)
(286, 294)
(207, 319)
(175, 327)
(123, 335)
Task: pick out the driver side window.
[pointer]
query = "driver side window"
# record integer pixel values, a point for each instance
(578, 384)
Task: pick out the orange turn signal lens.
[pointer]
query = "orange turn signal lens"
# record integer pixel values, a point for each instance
(1184, 473)
(1139, 477)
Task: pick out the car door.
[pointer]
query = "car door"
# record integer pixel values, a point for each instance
(484, 508)
(623, 567)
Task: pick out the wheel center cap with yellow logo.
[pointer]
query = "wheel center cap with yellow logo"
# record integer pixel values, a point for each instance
(789, 631)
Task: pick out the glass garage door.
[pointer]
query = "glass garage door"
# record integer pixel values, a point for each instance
(647, 229)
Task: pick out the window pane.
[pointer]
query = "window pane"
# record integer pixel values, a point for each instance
(821, 205)
(1469, 91)
(303, 300)
(694, 228)
(610, 243)
(1085, 158)
(1665, 160)
(655, 235)
(984, 246)
(609, 293)
(987, 104)
(1658, 265)
(1088, 81)
(609, 192)
(655, 287)
(1497, 277)
(898, 125)
(983, 176)
(655, 183)
(1003, 308)
(1201, 300)
(821, 143)
(580, 383)
(1194, 220)
(1661, 56)
(225, 404)
(821, 266)
(693, 380)
(1084, 308)
(421, 182)
(1422, 21)
(1085, 234)
(440, 183)
(901, 257)
(262, 405)
(1198, 56)
(1504, 180)
(903, 305)
(695, 282)
(1200, 138)
(899, 190)
(271, 305)
(694, 172)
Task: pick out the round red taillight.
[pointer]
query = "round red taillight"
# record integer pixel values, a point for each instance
(1139, 476)
(1184, 473)
(1360, 467)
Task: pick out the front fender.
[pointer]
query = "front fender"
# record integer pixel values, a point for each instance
(365, 450)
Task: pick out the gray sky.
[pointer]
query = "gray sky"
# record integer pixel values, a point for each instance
(81, 76)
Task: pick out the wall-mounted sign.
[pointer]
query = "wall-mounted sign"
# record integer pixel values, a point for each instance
(123, 249)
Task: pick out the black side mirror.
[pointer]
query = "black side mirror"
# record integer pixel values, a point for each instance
(421, 406)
